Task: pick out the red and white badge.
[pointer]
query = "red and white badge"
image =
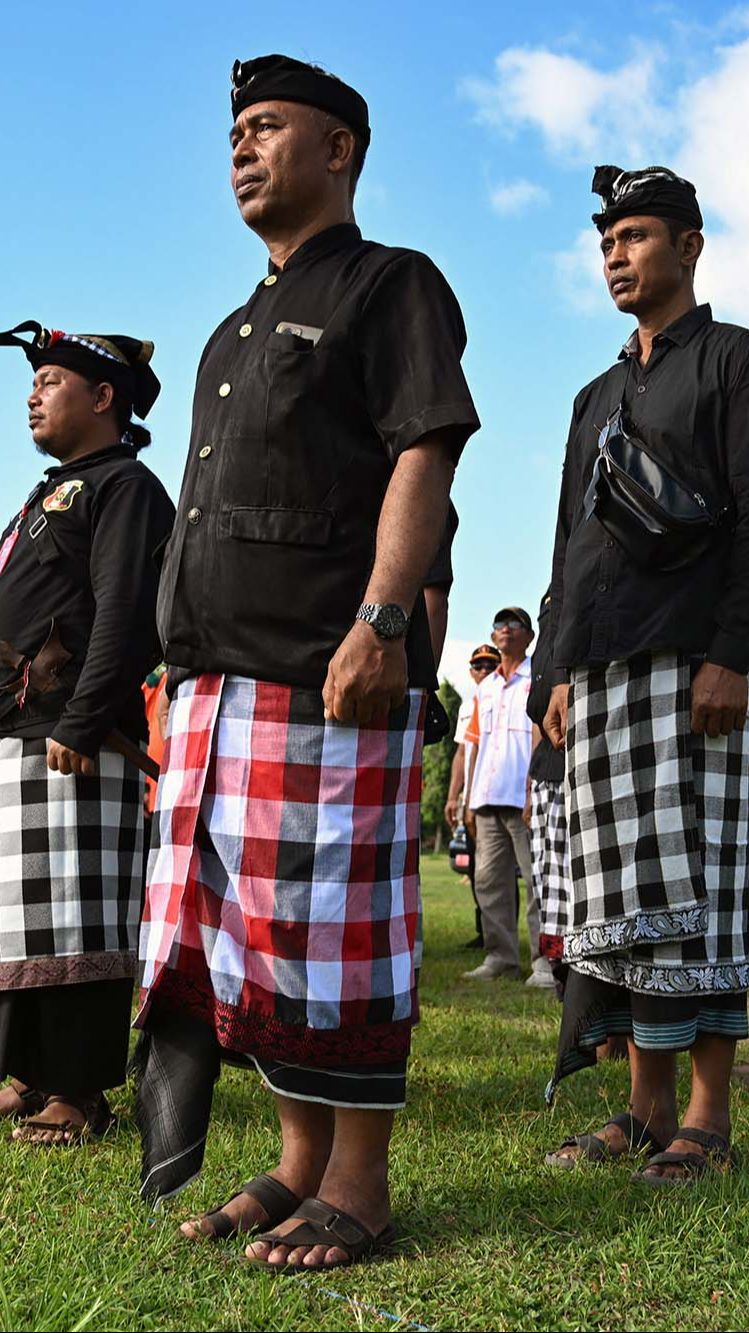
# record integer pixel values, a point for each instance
(63, 497)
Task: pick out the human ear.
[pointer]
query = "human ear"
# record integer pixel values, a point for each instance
(340, 148)
(104, 397)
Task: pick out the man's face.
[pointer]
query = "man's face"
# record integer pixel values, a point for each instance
(511, 638)
(641, 264)
(280, 163)
(481, 670)
(61, 410)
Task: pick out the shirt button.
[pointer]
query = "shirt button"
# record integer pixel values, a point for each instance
(194, 515)
(603, 587)
(224, 391)
(245, 331)
(608, 544)
(271, 280)
(642, 388)
(206, 450)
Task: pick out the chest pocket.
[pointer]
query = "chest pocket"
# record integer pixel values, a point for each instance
(302, 421)
(44, 543)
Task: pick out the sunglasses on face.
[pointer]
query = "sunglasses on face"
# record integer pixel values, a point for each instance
(509, 624)
(484, 664)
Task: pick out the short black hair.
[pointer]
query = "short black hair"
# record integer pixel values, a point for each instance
(676, 228)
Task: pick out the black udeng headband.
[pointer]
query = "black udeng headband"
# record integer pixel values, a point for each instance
(652, 192)
(279, 78)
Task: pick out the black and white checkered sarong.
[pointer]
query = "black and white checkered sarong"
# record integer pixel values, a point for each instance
(549, 853)
(658, 824)
(71, 868)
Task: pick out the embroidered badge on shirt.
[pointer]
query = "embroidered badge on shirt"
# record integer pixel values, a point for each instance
(62, 497)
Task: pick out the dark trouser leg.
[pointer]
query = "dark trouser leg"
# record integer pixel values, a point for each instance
(71, 1039)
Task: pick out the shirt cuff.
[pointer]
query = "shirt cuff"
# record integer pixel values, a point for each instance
(559, 676)
(727, 650)
(86, 741)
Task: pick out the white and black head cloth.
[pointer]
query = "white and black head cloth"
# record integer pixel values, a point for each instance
(651, 192)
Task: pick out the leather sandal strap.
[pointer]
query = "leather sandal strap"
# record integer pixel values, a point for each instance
(593, 1148)
(276, 1200)
(324, 1225)
(712, 1143)
(695, 1163)
(636, 1131)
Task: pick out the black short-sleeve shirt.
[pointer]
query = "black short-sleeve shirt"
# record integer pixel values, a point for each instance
(305, 398)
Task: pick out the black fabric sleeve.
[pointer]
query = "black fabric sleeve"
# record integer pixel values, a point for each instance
(565, 516)
(131, 517)
(729, 646)
(411, 337)
(441, 573)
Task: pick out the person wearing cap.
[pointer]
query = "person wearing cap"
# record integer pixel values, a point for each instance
(500, 730)
(78, 582)
(281, 927)
(482, 662)
(650, 607)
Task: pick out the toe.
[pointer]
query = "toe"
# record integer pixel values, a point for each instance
(279, 1255)
(336, 1256)
(311, 1258)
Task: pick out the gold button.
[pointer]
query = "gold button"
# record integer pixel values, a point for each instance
(245, 331)
(194, 515)
(206, 450)
(270, 281)
(224, 391)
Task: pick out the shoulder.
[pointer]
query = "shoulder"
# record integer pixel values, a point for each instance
(132, 476)
(396, 264)
(589, 393)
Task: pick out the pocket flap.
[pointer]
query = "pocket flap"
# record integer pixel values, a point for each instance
(293, 527)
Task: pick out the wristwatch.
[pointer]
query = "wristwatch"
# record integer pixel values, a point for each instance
(388, 621)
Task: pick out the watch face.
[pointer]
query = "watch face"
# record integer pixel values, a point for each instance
(390, 622)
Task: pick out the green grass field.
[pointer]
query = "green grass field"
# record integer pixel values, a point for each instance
(490, 1237)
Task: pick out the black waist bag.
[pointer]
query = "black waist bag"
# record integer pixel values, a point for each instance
(658, 520)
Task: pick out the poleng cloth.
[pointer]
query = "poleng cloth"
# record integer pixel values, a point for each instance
(71, 868)
(283, 898)
(658, 827)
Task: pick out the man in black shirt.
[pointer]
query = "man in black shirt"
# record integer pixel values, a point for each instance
(657, 652)
(78, 582)
(282, 909)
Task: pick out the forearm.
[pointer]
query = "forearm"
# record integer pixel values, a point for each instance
(411, 522)
(456, 774)
(436, 600)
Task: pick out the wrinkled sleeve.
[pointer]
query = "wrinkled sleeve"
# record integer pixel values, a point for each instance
(132, 518)
(411, 338)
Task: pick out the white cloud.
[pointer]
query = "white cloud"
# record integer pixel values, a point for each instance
(580, 111)
(641, 113)
(516, 197)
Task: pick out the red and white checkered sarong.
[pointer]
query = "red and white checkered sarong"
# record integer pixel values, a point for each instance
(283, 888)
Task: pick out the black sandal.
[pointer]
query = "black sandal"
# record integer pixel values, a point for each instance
(596, 1150)
(276, 1201)
(98, 1115)
(718, 1156)
(324, 1225)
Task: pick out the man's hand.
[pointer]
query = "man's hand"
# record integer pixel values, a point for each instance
(469, 820)
(162, 713)
(555, 722)
(719, 700)
(527, 814)
(451, 812)
(62, 760)
(366, 678)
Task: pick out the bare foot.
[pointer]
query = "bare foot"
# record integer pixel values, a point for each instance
(368, 1202)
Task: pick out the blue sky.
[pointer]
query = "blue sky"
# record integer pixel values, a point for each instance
(487, 119)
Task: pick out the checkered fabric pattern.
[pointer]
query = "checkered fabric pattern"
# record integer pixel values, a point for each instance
(550, 856)
(658, 821)
(283, 888)
(71, 868)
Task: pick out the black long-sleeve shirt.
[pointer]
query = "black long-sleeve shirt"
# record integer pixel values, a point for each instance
(87, 558)
(690, 405)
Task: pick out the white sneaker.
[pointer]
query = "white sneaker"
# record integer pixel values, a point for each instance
(542, 975)
(488, 971)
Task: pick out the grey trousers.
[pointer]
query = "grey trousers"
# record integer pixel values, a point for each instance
(502, 842)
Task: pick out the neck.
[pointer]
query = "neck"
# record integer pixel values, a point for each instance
(284, 240)
(654, 322)
(510, 664)
(88, 446)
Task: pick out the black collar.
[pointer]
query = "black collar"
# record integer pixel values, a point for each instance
(679, 333)
(339, 237)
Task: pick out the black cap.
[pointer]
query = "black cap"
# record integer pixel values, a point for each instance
(112, 358)
(282, 79)
(515, 613)
(651, 192)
